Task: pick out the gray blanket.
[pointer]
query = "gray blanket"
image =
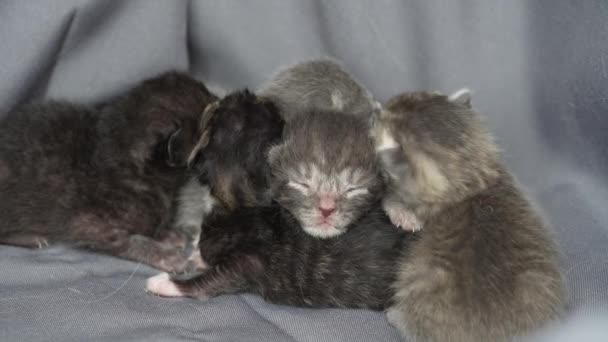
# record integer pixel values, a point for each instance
(538, 71)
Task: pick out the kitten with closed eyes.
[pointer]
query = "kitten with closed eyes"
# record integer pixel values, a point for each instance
(254, 245)
(484, 267)
(101, 177)
(325, 171)
(321, 84)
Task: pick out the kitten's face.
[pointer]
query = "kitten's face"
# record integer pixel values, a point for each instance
(326, 203)
(433, 147)
(325, 173)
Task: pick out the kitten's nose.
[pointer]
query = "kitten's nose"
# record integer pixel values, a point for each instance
(327, 205)
(326, 211)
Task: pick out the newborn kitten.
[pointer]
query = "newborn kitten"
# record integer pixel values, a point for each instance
(262, 249)
(101, 177)
(320, 84)
(325, 172)
(231, 154)
(396, 200)
(484, 266)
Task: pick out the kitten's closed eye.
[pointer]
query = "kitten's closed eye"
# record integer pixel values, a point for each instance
(303, 187)
(356, 191)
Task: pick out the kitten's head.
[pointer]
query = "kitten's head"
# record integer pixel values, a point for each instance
(325, 171)
(157, 121)
(231, 154)
(434, 148)
(321, 84)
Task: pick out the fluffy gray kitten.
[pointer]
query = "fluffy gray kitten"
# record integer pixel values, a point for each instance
(484, 267)
(320, 84)
(325, 172)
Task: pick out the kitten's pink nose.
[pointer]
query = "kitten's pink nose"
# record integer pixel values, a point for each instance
(326, 212)
(327, 205)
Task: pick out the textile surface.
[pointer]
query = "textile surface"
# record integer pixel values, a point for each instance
(539, 75)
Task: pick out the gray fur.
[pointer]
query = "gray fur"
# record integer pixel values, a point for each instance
(484, 268)
(321, 84)
(325, 154)
(194, 202)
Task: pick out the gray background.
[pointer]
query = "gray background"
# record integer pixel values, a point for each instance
(538, 71)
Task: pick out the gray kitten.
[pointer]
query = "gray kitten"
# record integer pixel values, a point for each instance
(321, 84)
(484, 268)
(325, 172)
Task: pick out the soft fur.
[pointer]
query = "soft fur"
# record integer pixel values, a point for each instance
(325, 172)
(484, 268)
(101, 177)
(264, 251)
(236, 135)
(261, 248)
(321, 84)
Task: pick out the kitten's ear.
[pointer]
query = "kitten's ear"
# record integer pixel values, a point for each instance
(461, 97)
(175, 149)
(204, 128)
(196, 151)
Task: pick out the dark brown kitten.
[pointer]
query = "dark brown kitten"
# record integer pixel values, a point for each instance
(484, 268)
(101, 177)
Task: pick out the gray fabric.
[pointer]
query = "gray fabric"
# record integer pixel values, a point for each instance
(538, 70)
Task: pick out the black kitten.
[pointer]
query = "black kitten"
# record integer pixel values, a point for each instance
(101, 177)
(263, 249)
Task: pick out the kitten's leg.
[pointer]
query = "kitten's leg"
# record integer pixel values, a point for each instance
(401, 216)
(25, 240)
(161, 255)
(101, 234)
(187, 244)
(174, 239)
(397, 168)
(231, 277)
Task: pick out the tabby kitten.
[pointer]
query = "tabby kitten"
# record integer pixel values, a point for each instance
(484, 267)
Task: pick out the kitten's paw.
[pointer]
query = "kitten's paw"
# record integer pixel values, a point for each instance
(395, 318)
(42, 243)
(403, 218)
(161, 285)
